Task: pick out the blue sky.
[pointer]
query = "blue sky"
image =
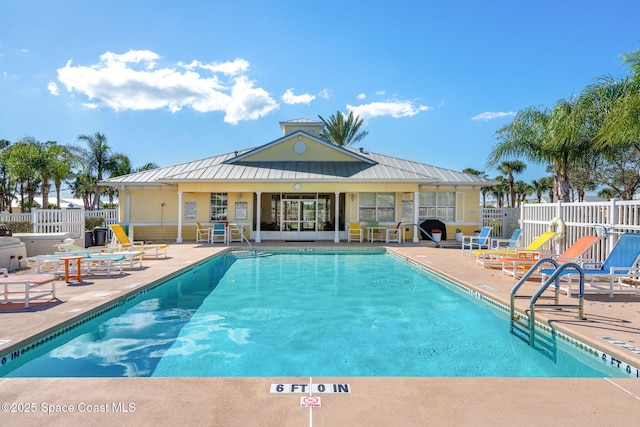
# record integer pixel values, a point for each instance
(169, 82)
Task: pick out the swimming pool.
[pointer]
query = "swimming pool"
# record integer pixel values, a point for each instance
(301, 314)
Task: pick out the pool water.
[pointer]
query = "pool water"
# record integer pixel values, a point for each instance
(301, 314)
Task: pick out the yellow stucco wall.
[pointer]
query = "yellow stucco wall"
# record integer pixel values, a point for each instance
(155, 221)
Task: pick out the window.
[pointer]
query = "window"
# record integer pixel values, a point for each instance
(377, 206)
(219, 211)
(440, 206)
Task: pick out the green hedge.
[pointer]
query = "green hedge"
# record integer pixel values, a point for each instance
(19, 226)
(92, 222)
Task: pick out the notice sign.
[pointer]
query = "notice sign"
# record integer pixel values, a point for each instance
(310, 401)
(313, 388)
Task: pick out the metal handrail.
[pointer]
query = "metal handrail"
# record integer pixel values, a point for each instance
(423, 230)
(242, 235)
(553, 278)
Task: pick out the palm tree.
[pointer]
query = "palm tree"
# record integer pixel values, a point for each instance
(540, 186)
(555, 138)
(607, 193)
(499, 190)
(147, 167)
(60, 171)
(509, 168)
(118, 165)
(485, 190)
(94, 160)
(621, 124)
(341, 131)
(522, 191)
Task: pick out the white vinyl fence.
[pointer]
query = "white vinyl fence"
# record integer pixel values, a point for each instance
(610, 218)
(60, 220)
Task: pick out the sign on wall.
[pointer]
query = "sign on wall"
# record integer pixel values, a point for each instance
(241, 210)
(407, 210)
(190, 210)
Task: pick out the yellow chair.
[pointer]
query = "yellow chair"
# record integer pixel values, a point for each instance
(491, 257)
(202, 234)
(354, 231)
(120, 241)
(516, 266)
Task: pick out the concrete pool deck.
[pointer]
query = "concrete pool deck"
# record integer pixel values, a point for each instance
(375, 401)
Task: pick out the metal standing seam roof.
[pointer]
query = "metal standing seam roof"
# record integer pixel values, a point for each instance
(222, 168)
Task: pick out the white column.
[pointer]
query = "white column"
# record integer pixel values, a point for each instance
(336, 221)
(416, 213)
(179, 239)
(258, 215)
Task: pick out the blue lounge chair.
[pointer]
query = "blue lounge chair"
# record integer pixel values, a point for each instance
(481, 241)
(622, 262)
(510, 243)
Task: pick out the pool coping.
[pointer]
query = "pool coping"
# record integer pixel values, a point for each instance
(405, 401)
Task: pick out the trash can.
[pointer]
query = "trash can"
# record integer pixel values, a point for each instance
(5, 230)
(100, 236)
(88, 238)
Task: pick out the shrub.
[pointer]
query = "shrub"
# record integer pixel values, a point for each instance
(92, 222)
(19, 226)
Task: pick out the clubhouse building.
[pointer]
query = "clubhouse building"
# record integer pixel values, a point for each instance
(296, 188)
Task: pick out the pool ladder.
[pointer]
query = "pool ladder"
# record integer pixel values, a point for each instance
(524, 326)
(253, 252)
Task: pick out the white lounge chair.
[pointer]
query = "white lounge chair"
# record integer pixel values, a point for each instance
(28, 286)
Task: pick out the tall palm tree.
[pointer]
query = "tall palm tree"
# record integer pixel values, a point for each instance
(94, 159)
(341, 131)
(555, 138)
(509, 168)
(61, 171)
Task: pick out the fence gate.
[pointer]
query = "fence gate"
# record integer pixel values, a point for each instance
(503, 220)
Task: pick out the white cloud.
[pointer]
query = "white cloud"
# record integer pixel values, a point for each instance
(53, 88)
(325, 93)
(290, 98)
(490, 115)
(132, 81)
(237, 66)
(395, 109)
(361, 96)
